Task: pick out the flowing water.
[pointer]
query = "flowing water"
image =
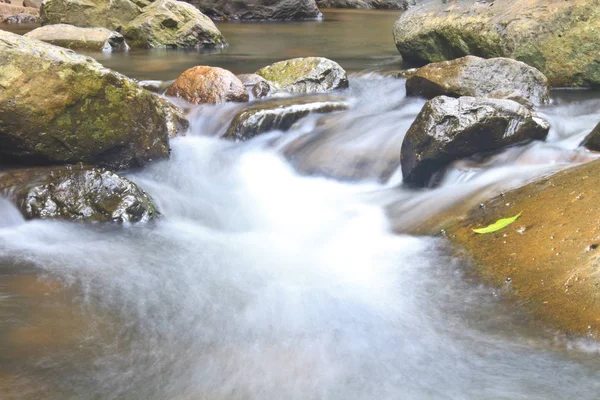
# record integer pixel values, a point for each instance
(275, 271)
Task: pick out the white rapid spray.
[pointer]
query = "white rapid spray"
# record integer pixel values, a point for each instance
(260, 283)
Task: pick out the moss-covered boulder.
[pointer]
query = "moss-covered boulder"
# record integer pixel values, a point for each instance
(499, 78)
(76, 38)
(212, 85)
(113, 14)
(77, 193)
(60, 107)
(448, 129)
(169, 23)
(549, 258)
(560, 38)
(283, 10)
(279, 114)
(305, 75)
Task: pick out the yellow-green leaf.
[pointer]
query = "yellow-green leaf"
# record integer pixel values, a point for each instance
(496, 226)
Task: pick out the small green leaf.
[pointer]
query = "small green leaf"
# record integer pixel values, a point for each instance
(496, 226)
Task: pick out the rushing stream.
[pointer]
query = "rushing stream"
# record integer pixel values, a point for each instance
(275, 272)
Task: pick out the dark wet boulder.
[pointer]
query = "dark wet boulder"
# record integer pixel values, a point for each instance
(555, 36)
(499, 78)
(284, 10)
(76, 38)
(592, 140)
(279, 114)
(211, 85)
(305, 75)
(172, 24)
(19, 19)
(77, 193)
(60, 107)
(113, 14)
(256, 85)
(448, 129)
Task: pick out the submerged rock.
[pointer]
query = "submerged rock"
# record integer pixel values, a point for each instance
(256, 85)
(279, 114)
(75, 38)
(306, 75)
(168, 23)
(547, 259)
(60, 107)
(447, 129)
(499, 78)
(258, 9)
(113, 14)
(557, 37)
(76, 193)
(212, 85)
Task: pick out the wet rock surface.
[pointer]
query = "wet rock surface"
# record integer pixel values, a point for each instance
(60, 107)
(305, 75)
(557, 37)
(258, 9)
(75, 38)
(448, 129)
(168, 23)
(279, 114)
(592, 140)
(499, 78)
(212, 85)
(18, 14)
(76, 193)
(548, 258)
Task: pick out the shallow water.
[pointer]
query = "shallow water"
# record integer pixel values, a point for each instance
(275, 272)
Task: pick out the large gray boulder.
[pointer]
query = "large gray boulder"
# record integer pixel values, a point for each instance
(555, 36)
(280, 114)
(76, 38)
(258, 9)
(169, 23)
(60, 107)
(76, 193)
(305, 75)
(499, 78)
(448, 129)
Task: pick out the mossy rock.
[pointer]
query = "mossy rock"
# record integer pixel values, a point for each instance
(76, 193)
(305, 75)
(60, 107)
(498, 78)
(168, 23)
(113, 14)
(559, 38)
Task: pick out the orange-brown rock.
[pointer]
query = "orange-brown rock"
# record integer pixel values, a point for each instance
(210, 85)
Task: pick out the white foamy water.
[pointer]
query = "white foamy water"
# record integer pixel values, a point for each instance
(262, 283)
